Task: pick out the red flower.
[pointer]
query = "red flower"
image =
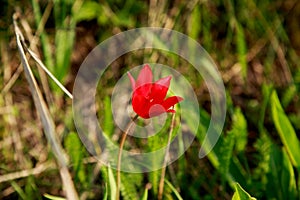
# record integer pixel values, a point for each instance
(148, 98)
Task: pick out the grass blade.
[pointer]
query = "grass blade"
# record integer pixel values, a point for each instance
(174, 190)
(285, 130)
(112, 183)
(48, 196)
(145, 195)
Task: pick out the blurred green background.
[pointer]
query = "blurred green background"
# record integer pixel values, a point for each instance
(256, 46)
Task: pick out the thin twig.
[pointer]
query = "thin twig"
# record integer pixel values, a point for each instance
(27, 172)
(125, 133)
(33, 41)
(163, 170)
(12, 80)
(41, 64)
(32, 45)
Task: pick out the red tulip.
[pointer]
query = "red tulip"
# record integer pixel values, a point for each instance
(148, 98)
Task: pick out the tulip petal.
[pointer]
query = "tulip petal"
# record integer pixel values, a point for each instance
(145, 76)
(132, 81)
(171, 101)
(156, 110)
(140, 105)
(164, 81)
(160, 89)
(144, 90)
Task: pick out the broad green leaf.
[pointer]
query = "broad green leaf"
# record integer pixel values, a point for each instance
(241, 194)
(285, 130)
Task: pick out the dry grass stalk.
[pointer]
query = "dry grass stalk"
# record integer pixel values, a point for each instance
(47, 121)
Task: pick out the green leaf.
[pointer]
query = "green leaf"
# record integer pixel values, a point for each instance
(241, 49)
(285, 130)
(241, 194)
(106, 193)
(194, 26)
(19, 190)
(239, 130)
(64, 37)
(64, 40)
(281, 178)
(173, 190)
(108, 124)
(45, 41)
(112, 183)
(225, 155)
(288, 182)
(145, 195)
(266, 94)
(88, 11)
(75, 151)
(48, 196)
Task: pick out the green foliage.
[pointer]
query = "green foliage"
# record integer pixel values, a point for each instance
(241, 49)
(64, 36)
(281, 176)
(52, 197)
(46, 46)
(58, 61)
(130, 185)
(194, 26)
(239, 130)
(90, 10)
(76, 151)
(108, 124)
(173, 190)
(110, 183)
(285, 130)
(145, 195)
(241, 194)
(255, 45)
(226, 151)
(19, 190)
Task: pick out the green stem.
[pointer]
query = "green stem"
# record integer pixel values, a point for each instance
(124, 135)
(163, 170)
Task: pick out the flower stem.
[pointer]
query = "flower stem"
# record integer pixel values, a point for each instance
(124, 135)
(163, 170)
